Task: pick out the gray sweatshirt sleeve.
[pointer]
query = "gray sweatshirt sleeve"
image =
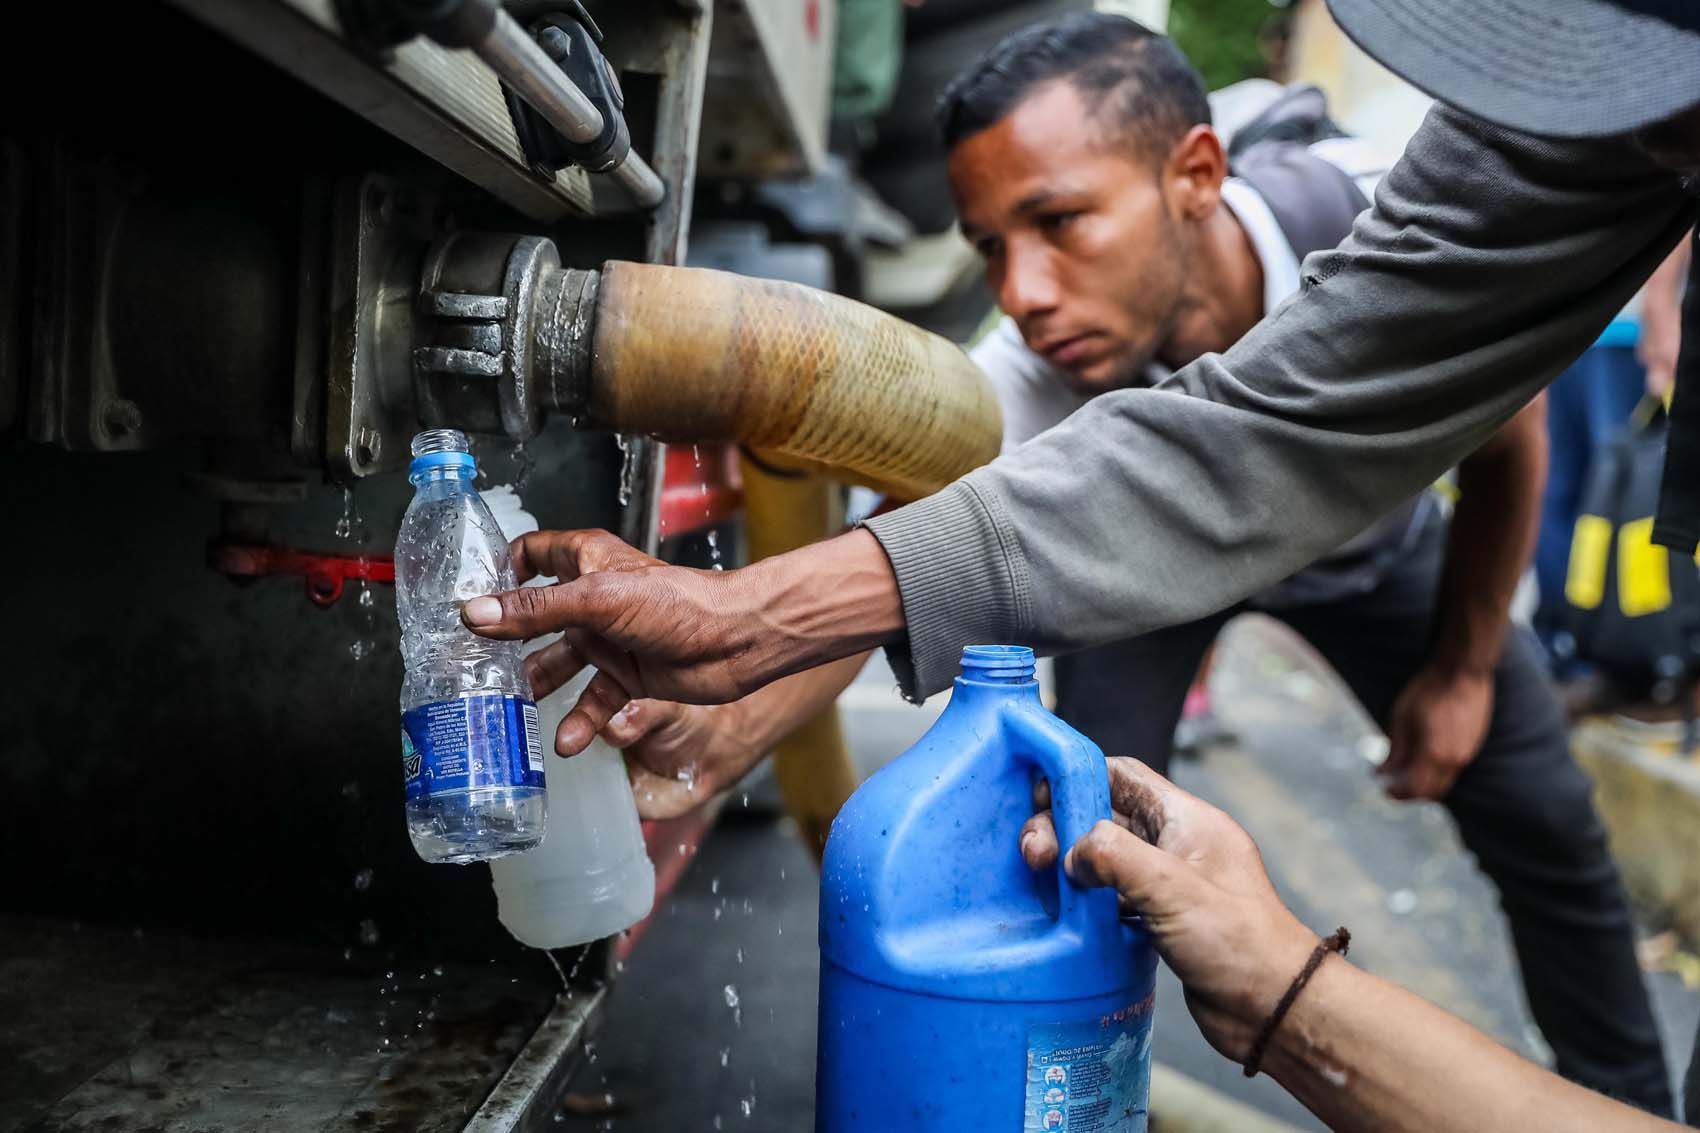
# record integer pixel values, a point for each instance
(1490, 261)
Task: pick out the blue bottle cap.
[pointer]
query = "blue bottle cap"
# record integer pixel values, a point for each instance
(442, 460)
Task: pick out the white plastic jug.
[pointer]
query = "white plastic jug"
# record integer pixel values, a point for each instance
(591, 877)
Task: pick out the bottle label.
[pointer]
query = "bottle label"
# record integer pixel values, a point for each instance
(1093, 1076)
(475, 741)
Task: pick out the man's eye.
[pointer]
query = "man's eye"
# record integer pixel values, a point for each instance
(988, 248)
(1058, 220)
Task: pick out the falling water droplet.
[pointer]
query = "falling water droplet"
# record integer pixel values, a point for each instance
(344, 528)
(363, 880)
(566, 984)
(350, 525)
(522, 466)
(628, 467)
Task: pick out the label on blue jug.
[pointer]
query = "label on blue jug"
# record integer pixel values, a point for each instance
(475, 741)
(1093, 1076)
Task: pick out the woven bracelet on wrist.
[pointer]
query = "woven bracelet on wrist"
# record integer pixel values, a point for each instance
(1339, 941)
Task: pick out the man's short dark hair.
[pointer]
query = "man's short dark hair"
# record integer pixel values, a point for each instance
(1136, 82)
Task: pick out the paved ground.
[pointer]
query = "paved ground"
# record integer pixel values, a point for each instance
(676, 1055)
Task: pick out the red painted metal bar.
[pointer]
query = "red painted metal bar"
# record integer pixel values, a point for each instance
(323, 572)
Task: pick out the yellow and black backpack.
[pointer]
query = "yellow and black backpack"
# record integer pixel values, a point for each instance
(1634, 605)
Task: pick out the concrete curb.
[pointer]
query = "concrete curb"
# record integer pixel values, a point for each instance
(1183, 1105)
(1649, 797)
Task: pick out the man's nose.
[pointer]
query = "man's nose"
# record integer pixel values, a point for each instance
(1028, 287)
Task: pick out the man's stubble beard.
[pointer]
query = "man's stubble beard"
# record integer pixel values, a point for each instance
(1128, 373)
(1131, 371)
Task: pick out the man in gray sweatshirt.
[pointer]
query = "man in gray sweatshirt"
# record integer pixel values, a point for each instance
(1529, 207)
(1117, 250)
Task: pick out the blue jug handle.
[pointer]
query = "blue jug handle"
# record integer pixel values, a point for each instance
(1080, 796)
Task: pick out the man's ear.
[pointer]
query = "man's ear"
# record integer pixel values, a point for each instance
(1194, 171)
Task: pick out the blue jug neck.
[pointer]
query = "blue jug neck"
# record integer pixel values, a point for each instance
(997, 672)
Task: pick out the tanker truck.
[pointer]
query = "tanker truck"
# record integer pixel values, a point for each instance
(247, 249)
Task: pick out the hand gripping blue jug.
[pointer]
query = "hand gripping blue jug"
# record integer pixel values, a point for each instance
(960, 991)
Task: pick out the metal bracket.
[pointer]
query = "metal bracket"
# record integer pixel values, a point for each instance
(380, 231)
(75, 398)
(556, 72)
(571, 39)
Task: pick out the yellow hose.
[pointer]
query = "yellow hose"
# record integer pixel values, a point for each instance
(812, 765)
(809, 380)
(689, 354)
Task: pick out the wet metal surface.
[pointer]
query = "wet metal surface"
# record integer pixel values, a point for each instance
(528, 1096)
(114, 1030)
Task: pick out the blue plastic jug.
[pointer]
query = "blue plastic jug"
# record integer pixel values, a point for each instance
(960, 991)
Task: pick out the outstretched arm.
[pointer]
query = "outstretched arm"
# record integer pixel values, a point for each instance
(1490, 261)
(1363, 1054)
(1661, 320)
(661, 632)
(679, 756)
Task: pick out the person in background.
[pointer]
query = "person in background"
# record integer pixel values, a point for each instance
(867, 65)
(1587, 405)
(1660, 342)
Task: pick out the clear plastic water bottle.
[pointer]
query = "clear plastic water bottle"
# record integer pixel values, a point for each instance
(471, 753)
